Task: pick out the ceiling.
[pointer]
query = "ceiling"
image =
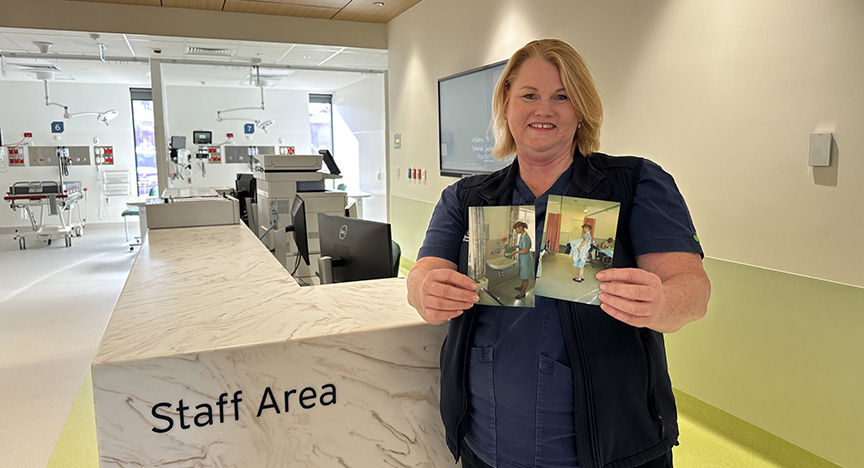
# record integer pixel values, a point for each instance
(370, 11)
(77, 56)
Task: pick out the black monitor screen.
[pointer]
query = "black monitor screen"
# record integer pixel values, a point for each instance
(329, 161)
(298, 221)
(361, 249)
(465, 138)
(202, 137)
(178, 142)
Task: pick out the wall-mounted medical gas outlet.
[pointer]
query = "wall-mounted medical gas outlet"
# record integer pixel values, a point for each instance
(416, 173)
(236, 155)
(16, 157)
(214, 155)
(103, 155)
(210, 153)
(286, 150)
(48, 155)
(78, 155)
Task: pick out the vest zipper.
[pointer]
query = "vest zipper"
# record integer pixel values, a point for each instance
(652, 394)
(467, 353)
(572, 337)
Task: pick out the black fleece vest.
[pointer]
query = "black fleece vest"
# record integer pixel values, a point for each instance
(625, 416)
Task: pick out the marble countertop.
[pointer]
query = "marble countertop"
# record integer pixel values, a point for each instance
(202, 288)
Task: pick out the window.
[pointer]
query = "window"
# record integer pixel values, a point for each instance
(321, 121)
(145, 139)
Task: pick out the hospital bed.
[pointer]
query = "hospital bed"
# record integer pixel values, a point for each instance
(61, 199)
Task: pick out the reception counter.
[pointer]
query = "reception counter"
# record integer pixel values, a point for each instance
(215, 357)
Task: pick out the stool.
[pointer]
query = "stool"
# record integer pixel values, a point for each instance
(125, 214)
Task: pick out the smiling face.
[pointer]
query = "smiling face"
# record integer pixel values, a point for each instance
(539, 113)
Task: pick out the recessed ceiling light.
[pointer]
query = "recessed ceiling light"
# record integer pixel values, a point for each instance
(307, 56)
(378, 3)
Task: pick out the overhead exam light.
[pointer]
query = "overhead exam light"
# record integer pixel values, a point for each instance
(260, 124)
(103, 117)
(263, 125)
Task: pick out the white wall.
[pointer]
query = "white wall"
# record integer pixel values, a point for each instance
(360, 142)
(194, 108)
(24, 110)
(360, 108)
(723, 94)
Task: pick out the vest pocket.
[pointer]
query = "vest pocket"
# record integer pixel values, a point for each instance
(554, 440)
(481, 398)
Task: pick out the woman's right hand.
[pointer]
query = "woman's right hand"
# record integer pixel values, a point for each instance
(438, 291)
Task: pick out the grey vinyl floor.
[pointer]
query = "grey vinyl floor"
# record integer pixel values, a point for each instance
(55, 302)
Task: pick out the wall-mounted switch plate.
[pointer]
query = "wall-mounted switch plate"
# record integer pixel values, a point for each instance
(820, 149)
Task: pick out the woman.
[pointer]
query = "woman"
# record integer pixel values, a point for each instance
(526, 263)
(579, 251)
(563, 383)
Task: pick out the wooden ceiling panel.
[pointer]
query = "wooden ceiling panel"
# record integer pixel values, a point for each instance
(338, 4)
(367, 11)
(194, 4)
(128, 2)
(282, 9)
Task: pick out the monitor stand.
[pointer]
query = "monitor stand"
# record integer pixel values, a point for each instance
(325, 268)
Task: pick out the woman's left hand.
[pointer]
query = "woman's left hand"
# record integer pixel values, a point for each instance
(668, 291)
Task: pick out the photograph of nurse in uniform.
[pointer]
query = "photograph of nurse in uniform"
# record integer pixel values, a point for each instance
(571, 256)
(501, 254)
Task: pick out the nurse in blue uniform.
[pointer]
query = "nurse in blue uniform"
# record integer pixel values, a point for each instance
(526, 264)
(579, 251)
(561, 384)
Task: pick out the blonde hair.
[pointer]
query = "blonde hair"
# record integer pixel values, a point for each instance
(578, 82)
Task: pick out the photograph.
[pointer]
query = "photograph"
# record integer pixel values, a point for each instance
(501, 254)
(578, 242)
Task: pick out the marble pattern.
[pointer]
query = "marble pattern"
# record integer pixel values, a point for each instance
(209, 311)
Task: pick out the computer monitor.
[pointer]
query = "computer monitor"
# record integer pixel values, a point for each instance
(298, 227)
(329, 161)
(202, 137)
(245, 188)
(360, 249)
(178, 142)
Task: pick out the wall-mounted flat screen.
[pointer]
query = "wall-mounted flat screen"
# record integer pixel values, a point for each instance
(202, 137)
(465, 138)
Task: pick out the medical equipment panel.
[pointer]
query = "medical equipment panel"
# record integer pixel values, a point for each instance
(49, 155)
(237, 154)
(202, 137)
(16, 157)
(103, 155)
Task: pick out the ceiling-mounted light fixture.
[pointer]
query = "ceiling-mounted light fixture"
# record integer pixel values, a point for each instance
(43, 46)
(255, 74)
(102, 117)
(263, 125)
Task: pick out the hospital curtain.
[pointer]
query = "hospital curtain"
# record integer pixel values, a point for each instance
(553, 230)
(477, 236)
(592, 222)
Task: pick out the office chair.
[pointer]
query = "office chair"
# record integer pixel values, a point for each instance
(396, 255)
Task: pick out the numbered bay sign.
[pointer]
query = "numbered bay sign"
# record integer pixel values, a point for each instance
(249, 129)
(56, 127)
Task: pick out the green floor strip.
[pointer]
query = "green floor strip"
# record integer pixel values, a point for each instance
(710, 438)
